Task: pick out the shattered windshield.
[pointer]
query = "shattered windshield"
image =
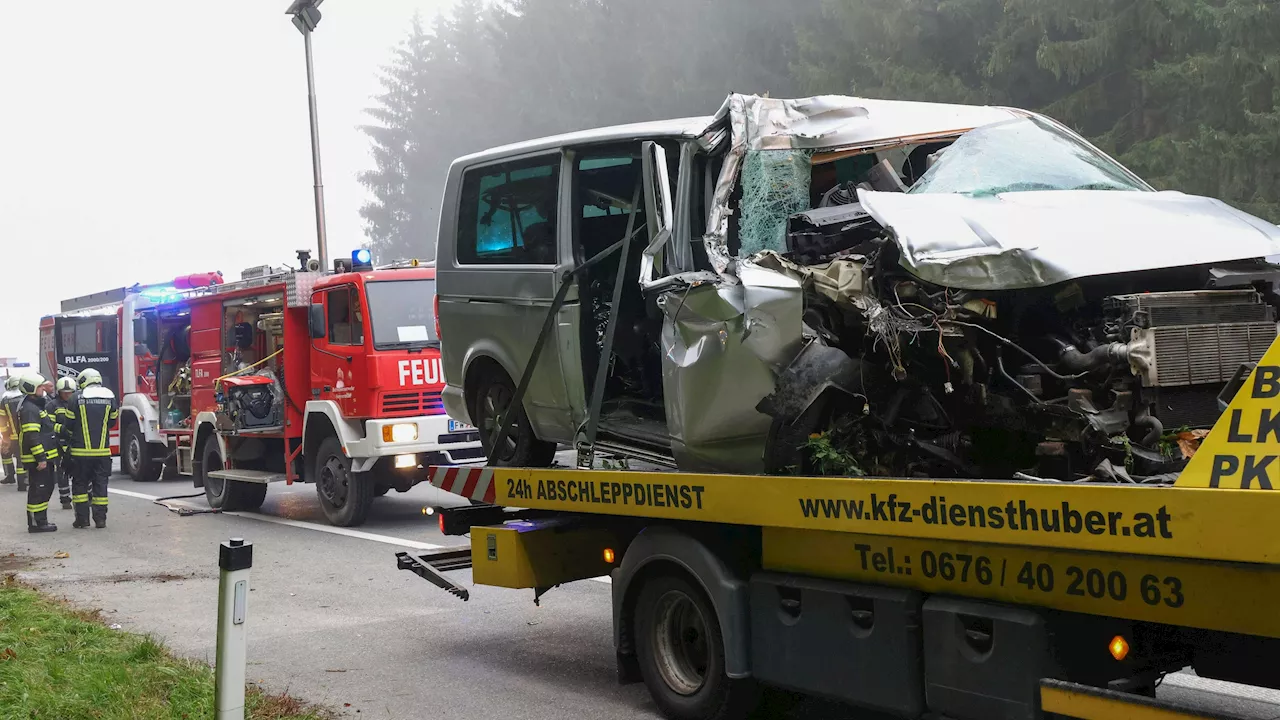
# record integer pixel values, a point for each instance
(1022, 155)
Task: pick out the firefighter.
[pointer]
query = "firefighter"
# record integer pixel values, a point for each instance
(56, 408)
(9, 450)
(91, 415)
(39, 451)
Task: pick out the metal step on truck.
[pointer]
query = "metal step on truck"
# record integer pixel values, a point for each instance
(914, 597)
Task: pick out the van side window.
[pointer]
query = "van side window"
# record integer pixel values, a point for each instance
(346, 324)
(508, 213)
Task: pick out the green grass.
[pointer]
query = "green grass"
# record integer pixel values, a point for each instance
(57, 662)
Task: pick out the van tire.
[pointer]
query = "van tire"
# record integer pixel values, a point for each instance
(227, 495)
(493, 394)
(680, 652)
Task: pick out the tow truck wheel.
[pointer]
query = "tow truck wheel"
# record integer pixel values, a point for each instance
(135, 456)
(345, 496)
(681, 654)
(227, 494)
(492, 403)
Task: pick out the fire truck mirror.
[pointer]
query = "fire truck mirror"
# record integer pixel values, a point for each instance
(315, 319)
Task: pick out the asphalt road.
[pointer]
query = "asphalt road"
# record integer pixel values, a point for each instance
(332, 620)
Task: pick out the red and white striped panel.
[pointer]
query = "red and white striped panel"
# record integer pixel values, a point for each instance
(475, 483)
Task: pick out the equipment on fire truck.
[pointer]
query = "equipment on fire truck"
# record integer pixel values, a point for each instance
(252, 401)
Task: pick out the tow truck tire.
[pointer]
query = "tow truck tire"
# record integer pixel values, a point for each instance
(227, 495)
(493, 396)
(136, 457)
(681, 654)
(353, 492)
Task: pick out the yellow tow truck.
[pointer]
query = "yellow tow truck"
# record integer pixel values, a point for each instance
(952, 598)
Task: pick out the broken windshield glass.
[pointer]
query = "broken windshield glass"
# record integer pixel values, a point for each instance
(1019, 156)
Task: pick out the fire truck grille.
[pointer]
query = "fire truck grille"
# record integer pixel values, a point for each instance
(406, 404)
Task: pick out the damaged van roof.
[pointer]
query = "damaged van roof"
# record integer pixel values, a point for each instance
(836, 121)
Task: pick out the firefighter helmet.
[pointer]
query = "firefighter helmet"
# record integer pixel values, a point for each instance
(29, 384)
(89, 376)
(66, 384)
(12, 382)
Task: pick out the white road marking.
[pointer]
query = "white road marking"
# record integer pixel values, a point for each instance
(347, 532)
(130, 493)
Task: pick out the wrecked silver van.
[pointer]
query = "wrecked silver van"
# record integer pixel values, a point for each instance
(837, 284)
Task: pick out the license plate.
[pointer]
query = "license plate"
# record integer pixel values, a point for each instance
(455, 426)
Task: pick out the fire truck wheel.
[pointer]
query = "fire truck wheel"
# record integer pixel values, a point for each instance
(345, 496)
(521, 448)
(681, 654)
(227, 494)
(137, 457)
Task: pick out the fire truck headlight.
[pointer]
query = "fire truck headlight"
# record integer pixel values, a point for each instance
(400, 432)
(406, 461)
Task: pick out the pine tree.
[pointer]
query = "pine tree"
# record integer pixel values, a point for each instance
(395, 219)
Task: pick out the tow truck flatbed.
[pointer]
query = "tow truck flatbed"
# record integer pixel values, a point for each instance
(952, 597)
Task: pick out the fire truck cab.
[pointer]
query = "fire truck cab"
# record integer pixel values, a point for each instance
(293, 376)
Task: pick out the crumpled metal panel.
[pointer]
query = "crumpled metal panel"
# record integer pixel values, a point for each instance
(824, 122)
(722, 345)
(1033, 239)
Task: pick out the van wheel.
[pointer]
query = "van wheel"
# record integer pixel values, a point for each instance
(345, 496)
(223, 494)
(681, 654)
(136, 456)
(492, 403)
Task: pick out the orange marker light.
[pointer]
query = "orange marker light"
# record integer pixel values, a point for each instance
(608, 555)
(440, 522)
(1119, 648)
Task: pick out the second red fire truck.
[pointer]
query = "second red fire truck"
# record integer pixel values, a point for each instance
(283, 375)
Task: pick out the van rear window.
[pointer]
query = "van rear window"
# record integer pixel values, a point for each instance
(508, 213)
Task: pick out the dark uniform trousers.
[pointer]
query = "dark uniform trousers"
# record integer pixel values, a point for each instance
(33, 436)
(89, 487)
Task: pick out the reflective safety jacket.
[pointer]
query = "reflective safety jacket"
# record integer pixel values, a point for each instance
(86, 422)
(9, 414)
(34, 436)
(58, 412)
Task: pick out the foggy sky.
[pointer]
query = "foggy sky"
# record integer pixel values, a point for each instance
(145, 139)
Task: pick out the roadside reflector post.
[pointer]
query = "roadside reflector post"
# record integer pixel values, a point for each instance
(235, 557)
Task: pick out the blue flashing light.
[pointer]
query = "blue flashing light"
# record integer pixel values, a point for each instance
(160, 294)
(362, 258)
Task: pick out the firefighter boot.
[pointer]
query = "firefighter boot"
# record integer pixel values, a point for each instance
(82, 511)
(38, 522)
(99, 512)
(9, 477)
(22, 482)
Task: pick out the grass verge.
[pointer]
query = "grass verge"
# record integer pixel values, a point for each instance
(59, 662)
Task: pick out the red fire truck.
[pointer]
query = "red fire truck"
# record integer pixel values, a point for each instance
(283, 375)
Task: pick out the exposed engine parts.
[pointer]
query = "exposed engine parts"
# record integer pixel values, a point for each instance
(1088, 379)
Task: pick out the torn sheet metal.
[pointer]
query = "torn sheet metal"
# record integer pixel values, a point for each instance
(825, 122)
(840, 281)
(1033, 239)
(721, 348)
